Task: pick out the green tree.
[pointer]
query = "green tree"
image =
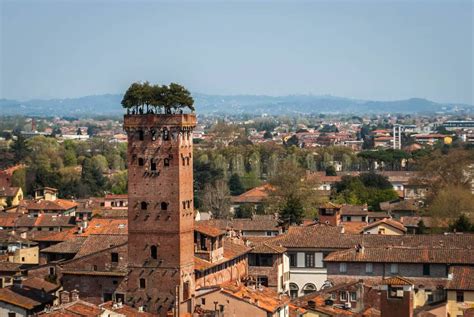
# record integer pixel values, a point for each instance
(462, 224)
(19, 148)
(292, 195)
(421, 229)
(292, 211)
(331, 171)
(244, 211)
(267, 135)
(216, 199)
(19, 179)
(235, 185)
(119, 183)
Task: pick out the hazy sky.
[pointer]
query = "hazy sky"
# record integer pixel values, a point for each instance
(363, 49)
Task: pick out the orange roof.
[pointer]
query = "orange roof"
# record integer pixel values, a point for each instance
(353, 227)
(106, 226)
(116, 196)
(397, 280)
(264, 298)
(254, 195)
(57, 235)
(125, 310)
(208, 230)
(58, 204)
(8, 220)
(390, 222)
(231, 251)
(82, 308)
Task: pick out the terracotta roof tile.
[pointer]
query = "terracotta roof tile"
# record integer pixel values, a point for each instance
(104, 226)
(57, 205)
(24, 297)
(9, 191)
(69, 246)
(96, 243)
(397, 280)
(254, 195)
(40, 284)
(403, 255)
(353, 227)
(354, 210)
(232, 250)
(125, 310)
(258, 223)
(264, 298)
(268, 247)
(387, 221)
(208, 230)
(463, 278)
(56, 236)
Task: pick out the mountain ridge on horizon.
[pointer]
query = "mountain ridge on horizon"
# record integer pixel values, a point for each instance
(109, 104)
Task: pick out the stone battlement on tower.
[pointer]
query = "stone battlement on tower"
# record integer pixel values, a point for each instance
(151, 120)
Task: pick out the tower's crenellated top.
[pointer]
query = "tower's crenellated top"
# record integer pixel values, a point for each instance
(140, 121)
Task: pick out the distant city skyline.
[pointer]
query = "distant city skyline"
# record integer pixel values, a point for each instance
(372, 50)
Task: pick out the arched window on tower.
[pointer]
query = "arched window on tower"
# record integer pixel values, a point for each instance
(166, 162)
(187, 160)
(164, 206)
(141, 161)
(154, 252)
(141, 135)
(153, 165)
(143, 205)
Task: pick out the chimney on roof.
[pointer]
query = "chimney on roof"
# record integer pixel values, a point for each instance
(64, 297)
(74, 295)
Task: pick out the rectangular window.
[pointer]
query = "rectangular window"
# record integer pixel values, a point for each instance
(353, 296)
(333, 296)
(369, 268)
(142, 283)
(426, 269)
(260, 259)
(460, 297)
(309, 259)
(203, 301)
(11, 314)
(343, 296)
(343, 267)
(114, 257)
(394, 268)
(186, 290)
(293, 259)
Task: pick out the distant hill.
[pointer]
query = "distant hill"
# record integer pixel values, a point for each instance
(109, 104)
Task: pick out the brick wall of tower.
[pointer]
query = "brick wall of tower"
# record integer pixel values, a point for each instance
(160, 210)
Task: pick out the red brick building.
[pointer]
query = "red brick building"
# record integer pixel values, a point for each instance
(160, 212)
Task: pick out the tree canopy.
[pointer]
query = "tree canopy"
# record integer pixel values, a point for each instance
(147, 98)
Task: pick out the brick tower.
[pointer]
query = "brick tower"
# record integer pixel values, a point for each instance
(160, 212)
